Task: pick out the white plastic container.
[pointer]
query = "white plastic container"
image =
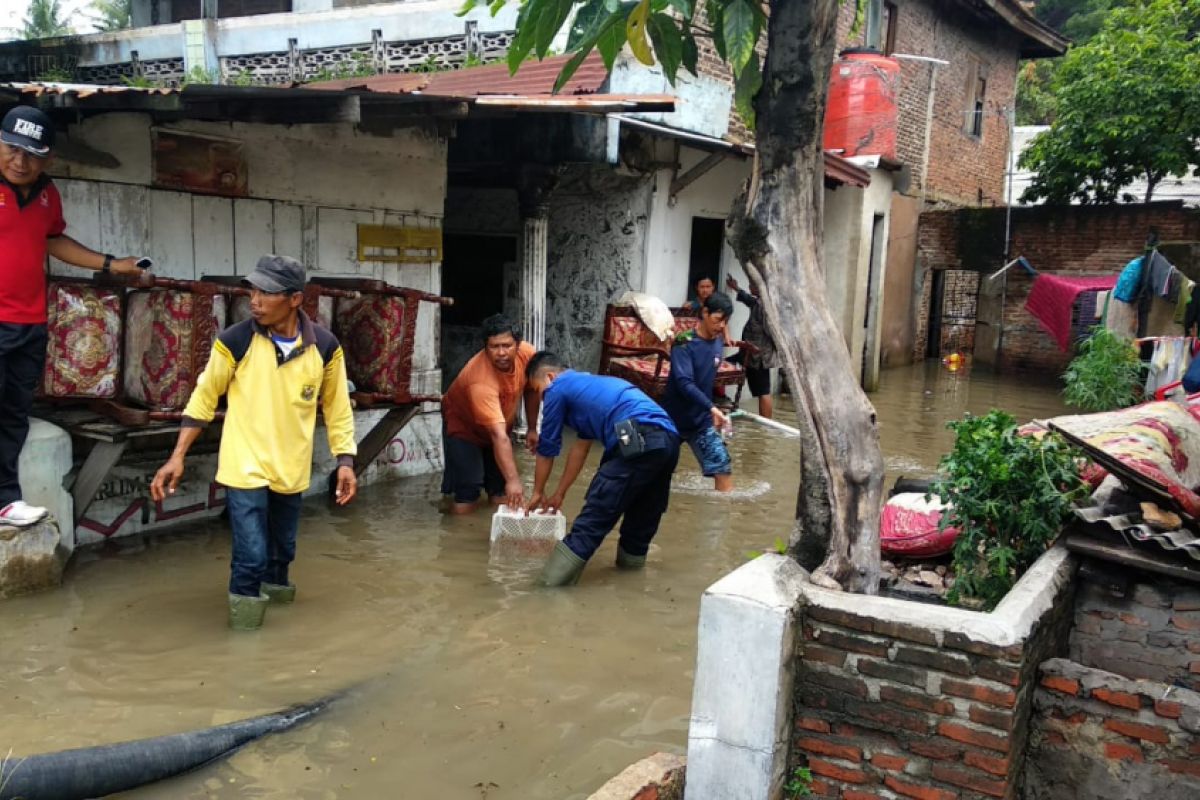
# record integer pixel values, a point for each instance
(517, 534)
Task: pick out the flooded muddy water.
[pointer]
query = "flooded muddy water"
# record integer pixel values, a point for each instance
(465, 680)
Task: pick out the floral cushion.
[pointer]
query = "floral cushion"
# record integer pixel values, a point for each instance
(378, 354)
(83, 357)
(628, 331)
(169, 335)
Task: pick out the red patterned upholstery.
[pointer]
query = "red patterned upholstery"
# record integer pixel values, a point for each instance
(83, 357)
(239, 310)
(372, 333)
(168, 338)
(623, 329)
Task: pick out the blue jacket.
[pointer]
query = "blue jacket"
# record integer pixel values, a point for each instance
(592, 405)
(689, 394)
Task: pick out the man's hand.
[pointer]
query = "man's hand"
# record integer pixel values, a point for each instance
(347, 485)
(126, 266)
(514, 494)
(539, 502)
(730, 283)
(166, 480)
(531, 441)
(718, 417)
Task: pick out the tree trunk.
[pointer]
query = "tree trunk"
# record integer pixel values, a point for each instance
(776, 232)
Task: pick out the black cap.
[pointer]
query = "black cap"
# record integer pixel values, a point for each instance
(29, 129)
(274, 274)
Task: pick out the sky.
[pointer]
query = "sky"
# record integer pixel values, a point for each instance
(12, 12)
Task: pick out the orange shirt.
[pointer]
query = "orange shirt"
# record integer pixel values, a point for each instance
(482, 396)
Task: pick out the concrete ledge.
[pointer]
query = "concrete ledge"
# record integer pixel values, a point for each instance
(741, 703)
(659, 777)
(29, 560)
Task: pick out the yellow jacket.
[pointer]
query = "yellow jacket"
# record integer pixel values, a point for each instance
(272, 405)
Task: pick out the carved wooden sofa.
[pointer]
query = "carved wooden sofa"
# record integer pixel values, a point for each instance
(631, 351)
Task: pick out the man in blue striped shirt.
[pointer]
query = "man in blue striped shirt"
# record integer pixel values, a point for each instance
(641, 448)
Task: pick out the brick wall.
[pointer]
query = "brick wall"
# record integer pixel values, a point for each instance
(962, 169)
(1081, 240)
(887, 709)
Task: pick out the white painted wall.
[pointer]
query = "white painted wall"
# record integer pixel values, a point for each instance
(310, 186)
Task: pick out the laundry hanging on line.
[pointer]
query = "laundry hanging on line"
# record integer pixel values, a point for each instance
(1052, 302)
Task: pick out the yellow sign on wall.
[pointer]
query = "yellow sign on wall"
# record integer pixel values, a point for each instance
(399, 245)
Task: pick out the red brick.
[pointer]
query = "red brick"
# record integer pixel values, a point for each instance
(1186, 622)
(825, 655)
(1078, 718)
(918, 792)
(969, 779)
(893, 672)
(1004, 698)
(1001, 720)
(823, 789)
(839, 617)
(888, 761)
(846, 641)
(832, 749)
(1194, 667)
(1122, 752)
(839, 683)
(1118, 699)
(1181, 766)
(999, 672)
(934, 659)
(828, 769)
(1133, 619)
(987, 763)
(852, 794)
(937, 749)
(961, 733)
(1195, 749)
(889, 718)
(916, 700)
(1136, 730)
(812, 724)
(1064, 685)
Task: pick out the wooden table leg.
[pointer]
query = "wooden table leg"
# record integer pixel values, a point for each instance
(100, 461)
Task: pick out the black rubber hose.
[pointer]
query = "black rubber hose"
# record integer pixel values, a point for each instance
(89, 772)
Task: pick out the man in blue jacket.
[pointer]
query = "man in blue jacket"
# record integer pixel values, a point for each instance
(689, 395)
(641, 448)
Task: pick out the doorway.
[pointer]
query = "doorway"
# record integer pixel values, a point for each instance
(473, 269)
(704, 258)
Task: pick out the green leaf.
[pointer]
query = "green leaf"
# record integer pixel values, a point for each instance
(668, 44)
(691, 56)
(467, 7)
(588, 20)
(635, 33)
(740, 28)
(548, 23)
(522, 43)
(610, 42)
(601, 30)
(746, 86)
(715, 12)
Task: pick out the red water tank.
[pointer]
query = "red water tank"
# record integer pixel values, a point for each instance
(860, 119)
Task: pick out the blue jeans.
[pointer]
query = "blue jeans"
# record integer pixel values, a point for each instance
(636, 488)
(264, 537)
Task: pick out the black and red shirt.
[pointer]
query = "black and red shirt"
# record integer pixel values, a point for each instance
(25, 225)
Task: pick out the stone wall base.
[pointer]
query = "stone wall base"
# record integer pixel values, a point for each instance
(30, 560)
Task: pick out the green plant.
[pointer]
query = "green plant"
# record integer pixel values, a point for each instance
(55, 75)
(430, 64)
(1105, 375)
(1009, 495)
(242, 78)
(779, 547)
(799, 785)
(199, 75)
(139, 81)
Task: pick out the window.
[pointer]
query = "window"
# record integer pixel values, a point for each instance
(889, 28)
(976, 99)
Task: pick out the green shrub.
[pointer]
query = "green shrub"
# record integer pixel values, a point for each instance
(1009, 496)
(1105, 375)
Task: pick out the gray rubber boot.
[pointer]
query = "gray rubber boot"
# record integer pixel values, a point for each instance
(629, 561)
(279, 594)
(246, 613)
(563, 568)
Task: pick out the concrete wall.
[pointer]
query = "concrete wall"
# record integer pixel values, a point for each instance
(886, 697)
(597, 250)
(897, 328)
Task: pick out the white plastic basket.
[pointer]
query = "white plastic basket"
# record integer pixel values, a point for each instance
(515, 533)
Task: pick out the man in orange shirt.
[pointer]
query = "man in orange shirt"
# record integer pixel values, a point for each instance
(478, 412)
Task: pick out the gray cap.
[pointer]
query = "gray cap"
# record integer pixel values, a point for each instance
(274, 274)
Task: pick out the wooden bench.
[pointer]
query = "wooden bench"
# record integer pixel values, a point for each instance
(631, 351)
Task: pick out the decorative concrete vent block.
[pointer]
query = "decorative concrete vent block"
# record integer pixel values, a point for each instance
(516, 534)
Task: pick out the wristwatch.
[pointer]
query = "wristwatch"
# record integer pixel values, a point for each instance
(108, 259)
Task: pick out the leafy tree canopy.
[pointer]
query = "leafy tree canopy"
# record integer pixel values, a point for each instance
(43, 20)
(1127, 105)
(111, 15)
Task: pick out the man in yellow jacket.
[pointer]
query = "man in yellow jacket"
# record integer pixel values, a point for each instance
(273, 369)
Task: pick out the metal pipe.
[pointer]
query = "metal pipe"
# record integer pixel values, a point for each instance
(770, 423)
